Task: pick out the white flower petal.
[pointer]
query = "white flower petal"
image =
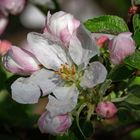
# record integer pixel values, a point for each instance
(94, 74)
(28, 90)
(46, 80)
(82, 47)
(64, 101)
(24, 91)
(50, 54)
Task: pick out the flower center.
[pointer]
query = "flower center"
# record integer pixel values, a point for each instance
(67, 73)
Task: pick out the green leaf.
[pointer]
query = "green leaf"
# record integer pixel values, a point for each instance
(119, 73)
(134, 81)
(136, 113)
(128, 106)
(68, 136)
(107, 24)
(16, 114)
(136, 37)
(105, 86)
(133, 95)
(2, 79)
(124, 115)
(119, 99)
(136, 21)
(87, 127)
(137, 2)
(133, 60)
(134, 90)
(136, 26)
(135, 134)
(132, 99)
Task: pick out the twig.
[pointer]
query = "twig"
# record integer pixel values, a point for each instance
(132, 2)
(117, 133)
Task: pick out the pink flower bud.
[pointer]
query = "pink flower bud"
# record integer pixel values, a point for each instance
(61, 26)
(120, 47)
(4, 47)
(12, 6)
(20, 61)
(54, 125)
(3, 23)
(106, 109)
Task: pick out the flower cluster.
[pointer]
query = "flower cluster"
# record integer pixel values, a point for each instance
(58, 62)
(119, 46)
(61, 63)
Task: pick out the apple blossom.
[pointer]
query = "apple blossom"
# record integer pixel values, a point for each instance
(61, 26)
(106, 109)
(120, 47)
(57, 63)
(54, 125)
(62, 73)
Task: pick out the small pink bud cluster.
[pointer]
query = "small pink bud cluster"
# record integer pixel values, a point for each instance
(101, 40)
(120, 47)
(106, 109)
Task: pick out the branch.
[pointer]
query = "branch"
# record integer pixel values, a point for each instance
(117, 133)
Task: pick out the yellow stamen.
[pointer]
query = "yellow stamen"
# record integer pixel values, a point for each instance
(66, 72)
(73, 69)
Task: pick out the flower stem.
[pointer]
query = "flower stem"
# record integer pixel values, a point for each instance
(91, 108)
(77, 118)
(132, 2)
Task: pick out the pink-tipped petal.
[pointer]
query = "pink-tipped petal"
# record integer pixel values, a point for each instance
(20, 61)
(61, 25)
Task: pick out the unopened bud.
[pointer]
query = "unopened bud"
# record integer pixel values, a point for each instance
(120, 47)
(106, 109)
(54, 125)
